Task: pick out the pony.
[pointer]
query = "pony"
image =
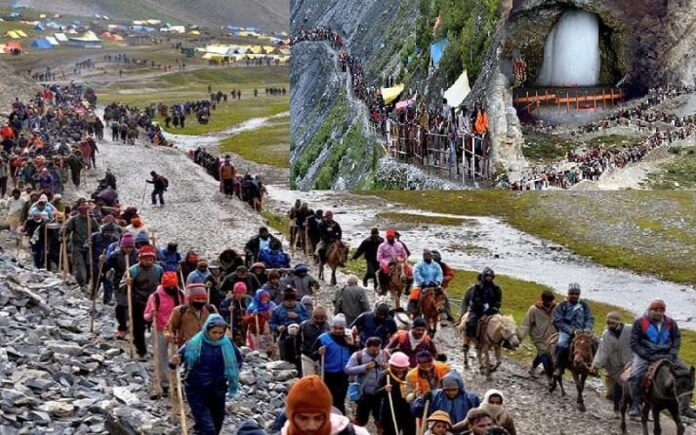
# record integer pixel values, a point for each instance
(579, 362)
(668, 387)
(494, 332)
(432, 304)
(336, 255)
(397, 280)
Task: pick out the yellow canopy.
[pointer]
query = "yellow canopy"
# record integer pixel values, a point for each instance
(212, 56)
(257, 49)
(268, 49)
(194, 32)
(390, 94)
(21, 33)
(12, 34)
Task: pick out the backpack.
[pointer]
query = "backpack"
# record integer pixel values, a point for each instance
(355, 387)
(165, 182)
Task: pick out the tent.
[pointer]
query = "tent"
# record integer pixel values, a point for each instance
(39, 27)
(13, 45)
(117, 38)
(21, 33)
(88, 36)
(54, 25)
(13, 34)
(436, 50)
(41, 44)
(61, 37)
(53, 41)
(194, 32)
(458, 91)
(390, 94)
(402, 105)
(213, 56)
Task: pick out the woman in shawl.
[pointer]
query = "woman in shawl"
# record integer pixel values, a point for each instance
(212, 363)
(258, 331)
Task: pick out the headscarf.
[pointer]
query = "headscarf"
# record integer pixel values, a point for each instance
(259, 307)
(192, 352)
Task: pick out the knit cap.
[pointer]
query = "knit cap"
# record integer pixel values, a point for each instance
(424, 356)
(309, 395)
(127, 241)
(339, 321)
(147, 251)
(196, 292)
(169, 279)
(239, 288)
(419, 322)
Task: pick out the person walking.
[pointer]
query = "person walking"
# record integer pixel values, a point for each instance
(187, 319)
(394, 408)
(368, 248)
(284, 315)
(614, 355)
(307, 335)
(212, 364)
(351, 300)
(160, 185)
(116, 268)
(77, 230)
(376, 323)
(365, 367)
(334, 349)
(538, 324)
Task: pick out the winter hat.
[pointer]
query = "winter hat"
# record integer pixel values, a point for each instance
(142, 237)
(196, 292)
(239, 288)
(419, 322)
(289, 294)
(493, 392)
(382, 309)
(307, 300)
(399, 360)
(391, 232)
(424, 356)
(301, 268)
(339, 321)
(614, 316)
(146, 251)
(43, 198)
(127, 241)
(169, 279)
(657, 303)
(258, 264)
(136, 222)
(573, 288)
(487, 271)
(440, 416)
(319, 310)
(309, 395)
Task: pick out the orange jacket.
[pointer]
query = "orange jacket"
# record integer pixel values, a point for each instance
(417, 385)
(481, 124)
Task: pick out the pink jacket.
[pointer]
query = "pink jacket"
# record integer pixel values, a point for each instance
(167, 304)
(386, 253)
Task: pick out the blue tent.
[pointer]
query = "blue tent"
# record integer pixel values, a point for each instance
(40, 27)
(41, 44)
(15, 15)
(436, 50)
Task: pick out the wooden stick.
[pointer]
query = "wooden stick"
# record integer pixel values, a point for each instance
(94, 293)
(45, 245)
(258, 336)
(182, 410)
(391, 406)
(183, 282)
(171, 375)
(66, 258)
(130, 308)
(155, 346)
(142, 201)
(424, 418)
(321, 367)
(89, 251)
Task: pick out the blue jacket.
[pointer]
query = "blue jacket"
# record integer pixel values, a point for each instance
(274, 259)
(425, 273)
(568, 317)
(198, 277)
(369, 327)
(280, 317)
(457, 408)
(337, 355)
(168, 260)
(210, 370)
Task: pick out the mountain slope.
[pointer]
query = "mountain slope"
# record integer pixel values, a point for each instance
(266, 14)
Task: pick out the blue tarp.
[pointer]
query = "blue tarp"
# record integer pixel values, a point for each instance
(15, 15)
(54, 25)
(41, 43)
(39, 27)
(436, 50)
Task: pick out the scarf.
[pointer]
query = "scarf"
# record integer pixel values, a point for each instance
(192, 352)
(256, 306)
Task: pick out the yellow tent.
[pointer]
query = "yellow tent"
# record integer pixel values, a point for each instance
(284, 59)
(390, 94)
(213, 56)
(269, 49)
(12, 34)
(194, 32)
(21, 33)
(257, 49)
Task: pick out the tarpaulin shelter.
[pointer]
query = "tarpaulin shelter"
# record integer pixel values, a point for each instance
(402, 105)
(458, 91)
(13, 45)
(39, 27)
(13, 34)
(21, 33)
(391, 94)
(61, 37)
(53, 41)
(41, 44)
(436, 50)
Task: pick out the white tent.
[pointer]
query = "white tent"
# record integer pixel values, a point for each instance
(61, 37)
(458, 91)
(53, 41)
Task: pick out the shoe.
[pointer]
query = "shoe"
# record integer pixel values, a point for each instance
(634, 412)
(532, 372)
(142, 358)
(121, 335)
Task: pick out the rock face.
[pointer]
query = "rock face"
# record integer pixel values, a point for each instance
(332, 147)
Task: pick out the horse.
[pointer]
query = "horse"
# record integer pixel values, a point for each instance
(494, 332)
(432, 304)
(397, 280)
(670, 388)
(336, 255)
(579, 363)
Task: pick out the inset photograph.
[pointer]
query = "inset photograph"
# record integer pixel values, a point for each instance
(523, 95)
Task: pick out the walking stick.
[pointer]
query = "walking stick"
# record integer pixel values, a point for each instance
(94, 293)
(183, 283)
(89, 252)
(45, 245)
(19, 245)
(391, 406)
(182, 411)
(142, 201)
(171, 375)
(258, 337)
(321, 367)
(421, 428)
(130, 308)
(155, 346)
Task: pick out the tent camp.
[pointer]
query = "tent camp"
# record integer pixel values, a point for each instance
(13, 34)
(39, 27)
(87, 40)
(61, 37)
(458, 91)
(21, 33)
(391, 94)
(52, 41)
(436, 50)
(41, 44)
(13, 46)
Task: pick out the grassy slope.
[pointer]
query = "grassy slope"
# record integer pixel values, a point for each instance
(518, 296)
(267, 145)
(678, 174)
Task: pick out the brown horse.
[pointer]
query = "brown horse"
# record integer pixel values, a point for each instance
(579, 362)
(670, 387)
(336, 255)
(397, 281)
(495, 331)
(432, 304)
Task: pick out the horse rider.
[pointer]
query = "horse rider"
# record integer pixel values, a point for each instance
(447, 272)
(482, 299)
(329, 232)
(426, 274)
(256, 244)
(654, 336)
(389, 252)
(570, 316)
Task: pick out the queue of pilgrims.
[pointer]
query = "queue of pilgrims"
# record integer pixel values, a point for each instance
(206, 309)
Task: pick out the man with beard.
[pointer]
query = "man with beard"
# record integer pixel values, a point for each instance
(307, 335)
(336, 348)
(253, 247)
(329, 232)
(614, 354)
(538, 323)
(375, 323)
(570, 316)
(368, 248)
(482, 299)
(413, 341)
